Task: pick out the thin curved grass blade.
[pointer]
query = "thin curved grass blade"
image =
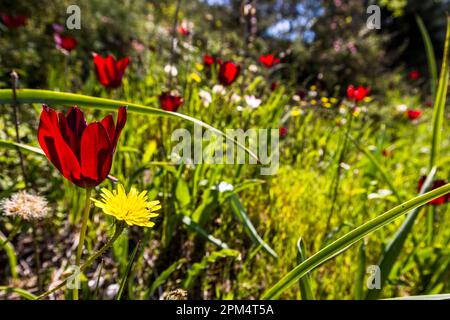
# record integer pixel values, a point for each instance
(431, 58)
(21, 292)
(304, 282)
(69, 99)
(239, 211)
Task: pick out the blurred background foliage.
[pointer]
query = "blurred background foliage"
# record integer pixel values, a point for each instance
(324, 42)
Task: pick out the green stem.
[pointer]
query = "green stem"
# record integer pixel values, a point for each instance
(119, 228)
(87, 205)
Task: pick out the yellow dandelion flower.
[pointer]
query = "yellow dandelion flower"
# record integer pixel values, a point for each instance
(367, 99)
(313, 102)
(327, 105)
(333, 100)
(199, 66)
(295, 112)
(134, 208)
(313, 88)
(324, 99)
(195, 77)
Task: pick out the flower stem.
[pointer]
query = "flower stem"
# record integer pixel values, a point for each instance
(119, 228)
(87, 205)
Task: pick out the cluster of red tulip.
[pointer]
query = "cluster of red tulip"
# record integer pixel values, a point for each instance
(357, 94)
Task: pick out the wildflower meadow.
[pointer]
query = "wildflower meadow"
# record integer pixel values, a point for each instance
(224, 150)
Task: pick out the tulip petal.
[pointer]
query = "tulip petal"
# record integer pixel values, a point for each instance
(121, 120)
(111, 71)
(122, 64)
(96, 155)
(68, 135)
(100, 68)
(55, 147)
(110, 127)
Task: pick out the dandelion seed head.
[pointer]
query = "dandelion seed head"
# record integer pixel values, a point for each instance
(25, 205)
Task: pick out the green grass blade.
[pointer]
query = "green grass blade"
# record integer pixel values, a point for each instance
(128, 270)
(380, 169)
(163, 277)
(442, 296)
(202, 232)
(199, 267)
(9, 249)
(239, 210)
(395, 247)
(23, 293)
(439, 102)
(68, 99)
(304, 282)
(431, 58)
(349, 239)
(23, 147)
(361, 272)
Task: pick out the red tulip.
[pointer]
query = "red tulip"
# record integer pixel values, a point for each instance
(414, 75)
(283, 132)
(274, 86)
(269, 60)
(82, 153)
(228, 72)
(64, 43)
(109, 71)
(357, 94)
(413, 114)
(435, 184)
(13, 22)
(170, 102)
(208, 60)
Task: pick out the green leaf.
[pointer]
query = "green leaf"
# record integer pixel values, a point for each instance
(394, 248)
(304, 282)
(128, 270)
(239, 210)
(361, 272)
(23, 147)
(349, 239)
(9, 249)
(68, 99)
(23, 293)
(182, 193)
(431, 58)
(163, 277)
(202, 232)
(439, 102)
(198, 267)
(443, 296)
